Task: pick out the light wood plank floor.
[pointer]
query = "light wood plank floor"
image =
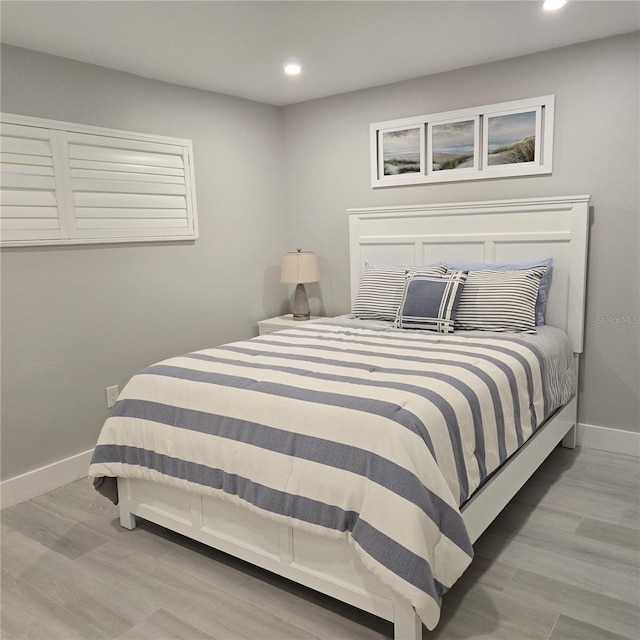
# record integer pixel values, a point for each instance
(561, 562)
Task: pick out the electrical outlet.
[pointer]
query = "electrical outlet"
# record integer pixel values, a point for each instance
(112, 395)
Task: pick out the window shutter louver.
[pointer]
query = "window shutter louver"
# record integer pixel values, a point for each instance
(95, 185)
(29, 195)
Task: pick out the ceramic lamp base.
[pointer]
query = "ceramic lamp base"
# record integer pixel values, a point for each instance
(300, 308)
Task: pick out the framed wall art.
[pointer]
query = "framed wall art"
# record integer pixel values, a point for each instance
(401, 152)
(491, 141)
(512, 140)
(454, 145)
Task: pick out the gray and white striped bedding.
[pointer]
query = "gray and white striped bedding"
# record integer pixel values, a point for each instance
(348, 429)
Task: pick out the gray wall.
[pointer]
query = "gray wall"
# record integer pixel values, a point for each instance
(77, 319)
(595, 151)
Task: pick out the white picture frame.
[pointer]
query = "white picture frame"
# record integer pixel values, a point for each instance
(453, 147)
(537, 114)
(512, 141)
(401, 154)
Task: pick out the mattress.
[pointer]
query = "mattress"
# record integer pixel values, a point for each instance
(348, 429)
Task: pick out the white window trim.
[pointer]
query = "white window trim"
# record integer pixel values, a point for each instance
(65, 193)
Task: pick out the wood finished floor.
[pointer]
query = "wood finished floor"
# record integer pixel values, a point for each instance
(561, 562)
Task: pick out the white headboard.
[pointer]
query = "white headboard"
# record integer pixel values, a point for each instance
(493, 231)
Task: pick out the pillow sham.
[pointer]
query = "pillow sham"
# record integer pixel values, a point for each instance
(381, 289)
(500, 300)
(430, 301)
(541, 300)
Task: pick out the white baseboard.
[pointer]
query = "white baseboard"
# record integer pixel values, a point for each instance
(40, 481)
(591, 436)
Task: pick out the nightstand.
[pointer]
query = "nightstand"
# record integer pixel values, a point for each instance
(283, 322)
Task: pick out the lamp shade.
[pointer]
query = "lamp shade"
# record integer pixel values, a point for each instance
(300, 267)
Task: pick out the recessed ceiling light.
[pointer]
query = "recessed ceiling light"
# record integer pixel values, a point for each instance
(292, 69)
(553, 5)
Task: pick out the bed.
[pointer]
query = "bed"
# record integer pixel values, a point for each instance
(256, 478)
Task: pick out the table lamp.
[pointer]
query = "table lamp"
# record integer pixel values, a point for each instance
(299, 268)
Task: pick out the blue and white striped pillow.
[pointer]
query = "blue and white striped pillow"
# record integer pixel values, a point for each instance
(430, 301)
(541, 300)
(381, 288)
(495, 300)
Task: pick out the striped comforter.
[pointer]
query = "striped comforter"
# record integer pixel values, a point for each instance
(348, 430)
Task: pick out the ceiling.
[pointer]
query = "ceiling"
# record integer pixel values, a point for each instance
(238, 47)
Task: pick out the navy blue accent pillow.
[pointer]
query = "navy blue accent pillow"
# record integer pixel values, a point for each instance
(430, 301)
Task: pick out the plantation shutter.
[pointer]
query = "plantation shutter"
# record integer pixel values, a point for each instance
(30, 194)
(85, 184)
(124, 188)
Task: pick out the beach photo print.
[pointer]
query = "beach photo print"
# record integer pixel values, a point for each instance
(500, 140)
(454, 145)
(512, 138)
(402, 151)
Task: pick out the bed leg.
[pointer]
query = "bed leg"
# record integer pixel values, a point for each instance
(127, 519)
(406, 625)
(569, 441)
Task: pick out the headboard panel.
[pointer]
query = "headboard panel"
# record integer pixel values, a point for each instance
(492, 231)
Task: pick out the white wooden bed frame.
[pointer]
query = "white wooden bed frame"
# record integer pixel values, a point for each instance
(497, 231)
